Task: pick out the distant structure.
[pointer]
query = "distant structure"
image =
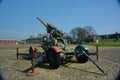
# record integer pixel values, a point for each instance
(8, 42)
(111, 36)
(33, 40)
(38, 40)
(96, 38)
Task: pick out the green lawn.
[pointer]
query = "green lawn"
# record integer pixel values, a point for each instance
(106, 42)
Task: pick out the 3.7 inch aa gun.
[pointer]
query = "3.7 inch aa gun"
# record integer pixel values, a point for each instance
(54, 46)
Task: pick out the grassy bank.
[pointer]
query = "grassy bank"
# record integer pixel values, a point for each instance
(106, 43)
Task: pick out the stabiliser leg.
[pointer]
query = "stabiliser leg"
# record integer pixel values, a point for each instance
(97, 65)
(33, 72)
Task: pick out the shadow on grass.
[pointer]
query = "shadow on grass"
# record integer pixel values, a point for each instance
(44, 65)
(1, 77)
(70, 62)
(64, 64)
(118, 76)
(41, 65)
(26, 70)
(24, 56)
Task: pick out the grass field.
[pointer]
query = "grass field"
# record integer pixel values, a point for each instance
(106, 43)
(12, 69)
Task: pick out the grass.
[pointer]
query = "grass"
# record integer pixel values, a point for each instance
(13, 69)
(106, 43)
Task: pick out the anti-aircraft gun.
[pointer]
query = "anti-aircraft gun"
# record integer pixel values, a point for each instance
(54, 49)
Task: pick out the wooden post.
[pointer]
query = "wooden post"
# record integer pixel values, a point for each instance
(17, 53)
(97, 56)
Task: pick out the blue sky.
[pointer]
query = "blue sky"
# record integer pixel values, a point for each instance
(18, 17)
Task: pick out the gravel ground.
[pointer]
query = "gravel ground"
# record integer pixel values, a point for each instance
(12, 69)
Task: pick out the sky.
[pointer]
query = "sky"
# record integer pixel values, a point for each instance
(18, 17)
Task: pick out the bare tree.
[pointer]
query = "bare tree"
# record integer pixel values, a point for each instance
(80, 34)
(31, 36)
(90, 30)
(73, 34)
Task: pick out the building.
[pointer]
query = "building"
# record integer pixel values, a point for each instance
(111, 36)
(33, 41)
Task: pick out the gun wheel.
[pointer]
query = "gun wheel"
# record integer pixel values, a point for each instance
(81, 58)
(54, 59)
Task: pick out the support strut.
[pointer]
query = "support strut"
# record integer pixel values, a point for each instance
(33, 72)
(97, 65)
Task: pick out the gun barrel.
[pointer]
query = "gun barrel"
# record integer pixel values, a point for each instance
(47, 24)
(42, 22)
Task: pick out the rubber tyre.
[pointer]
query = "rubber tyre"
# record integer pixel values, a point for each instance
(54, 59)
(81, 58)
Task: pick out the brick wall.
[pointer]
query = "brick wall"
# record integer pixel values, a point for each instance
(8, 42)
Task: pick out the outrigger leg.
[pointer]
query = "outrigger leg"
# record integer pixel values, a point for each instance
(97, 65)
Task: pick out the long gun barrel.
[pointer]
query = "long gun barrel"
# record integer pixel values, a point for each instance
(42, 22)
(46, 24)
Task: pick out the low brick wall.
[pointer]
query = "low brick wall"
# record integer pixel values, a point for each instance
(8, 42)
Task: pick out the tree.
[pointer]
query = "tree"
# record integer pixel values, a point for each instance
(73, 34)
(39, 35)
(90, 30)
(80, 34)
(31, 36)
